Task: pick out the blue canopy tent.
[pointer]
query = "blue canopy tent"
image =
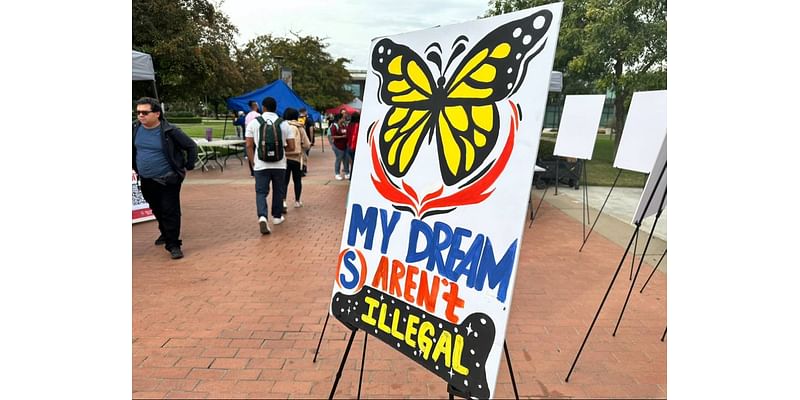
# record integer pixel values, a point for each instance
(285, 96)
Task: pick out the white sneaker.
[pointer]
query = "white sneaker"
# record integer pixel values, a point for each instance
(278, 221)
(338, 177)
(346, 176)
(298, 204)
(263, 225)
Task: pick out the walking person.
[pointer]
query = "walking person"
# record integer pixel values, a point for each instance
(338, 137)
(251, 115)
(162, 154)
(352, 139)
(268, 172)
(294, 159)
(309, 125)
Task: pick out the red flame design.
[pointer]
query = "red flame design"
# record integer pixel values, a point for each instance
(476, 192)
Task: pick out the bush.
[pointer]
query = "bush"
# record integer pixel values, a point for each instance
(546, 148)
(184, 120)
(180, 114)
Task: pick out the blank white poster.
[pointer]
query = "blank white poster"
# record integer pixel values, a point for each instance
(655, 187)
(645, 129)
(578, 129)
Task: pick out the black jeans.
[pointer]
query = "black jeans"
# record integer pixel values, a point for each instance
(293, 169)
(263, 179)
(165, 201)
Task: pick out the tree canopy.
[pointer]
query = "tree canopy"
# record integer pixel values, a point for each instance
(605, 45)
(197, 60)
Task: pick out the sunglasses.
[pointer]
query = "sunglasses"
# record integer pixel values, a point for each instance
(144, 112)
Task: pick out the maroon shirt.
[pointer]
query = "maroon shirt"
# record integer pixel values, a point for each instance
(340, 144)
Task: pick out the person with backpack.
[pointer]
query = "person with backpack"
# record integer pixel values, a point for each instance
(162, 153)
(267, 139)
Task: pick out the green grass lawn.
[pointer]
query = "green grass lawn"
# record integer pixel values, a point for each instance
(599, 170)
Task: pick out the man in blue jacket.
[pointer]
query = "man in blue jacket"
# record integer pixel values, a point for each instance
(161, 155)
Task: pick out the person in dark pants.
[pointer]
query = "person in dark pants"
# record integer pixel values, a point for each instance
(161, 155)
(294, 160)
(268, 172)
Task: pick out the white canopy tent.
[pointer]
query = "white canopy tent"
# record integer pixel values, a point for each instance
(143, 68)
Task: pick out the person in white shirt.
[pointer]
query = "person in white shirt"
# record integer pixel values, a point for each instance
(269, 172)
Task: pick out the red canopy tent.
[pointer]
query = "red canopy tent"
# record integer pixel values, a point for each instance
(338, 109)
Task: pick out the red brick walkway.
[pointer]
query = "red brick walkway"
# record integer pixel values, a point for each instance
(241, 314)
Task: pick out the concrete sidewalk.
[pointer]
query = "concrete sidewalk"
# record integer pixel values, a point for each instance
(241, 315)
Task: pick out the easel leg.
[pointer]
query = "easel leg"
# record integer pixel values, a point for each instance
(633, 283)
(341, 365)
(653, 272)
(614, 278)
(633, 257)
(511, 371)
(641, 260)
(536, 212)
(363, 356)
(556, 193)
(585, 214)
(665, 334)
(613, 185)
(321, 336)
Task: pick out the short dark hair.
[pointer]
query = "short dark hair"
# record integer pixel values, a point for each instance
(269, 104)
(302, 109)
(155, 106)
(355, 117)
(252, 103)
(290, 114)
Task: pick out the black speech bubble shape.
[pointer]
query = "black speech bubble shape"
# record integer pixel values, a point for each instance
(477, 330)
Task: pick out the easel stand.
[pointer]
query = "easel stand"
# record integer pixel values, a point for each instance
(653, 272)
(585, 207)
(641, 260)
(328, 315)
(534, 213)
(614, 278)
(600, 212)
(450, 389)
(453, 392)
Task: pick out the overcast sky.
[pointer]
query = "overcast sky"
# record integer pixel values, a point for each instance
(348, 25)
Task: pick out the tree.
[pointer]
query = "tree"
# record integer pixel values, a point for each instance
(608, 45)
(316, 76)
(191, 44)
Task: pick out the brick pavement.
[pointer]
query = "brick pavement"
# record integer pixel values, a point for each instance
(240, 316)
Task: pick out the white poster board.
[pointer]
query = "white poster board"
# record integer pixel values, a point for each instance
(657, 185)
(449, 132)
(645, 128)
(141, 210)
(578, 128)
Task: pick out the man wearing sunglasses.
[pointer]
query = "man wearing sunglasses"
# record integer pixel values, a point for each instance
(161, 155)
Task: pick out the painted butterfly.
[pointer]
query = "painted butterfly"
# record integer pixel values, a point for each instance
(459, 110)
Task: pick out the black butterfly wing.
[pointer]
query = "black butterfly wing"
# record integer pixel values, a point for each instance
(468, 124)
(408, 86)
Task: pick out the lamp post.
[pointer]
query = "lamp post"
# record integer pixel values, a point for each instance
(279, 60)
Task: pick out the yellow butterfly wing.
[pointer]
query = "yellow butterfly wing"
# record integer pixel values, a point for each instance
(407, 85)
(468, 121)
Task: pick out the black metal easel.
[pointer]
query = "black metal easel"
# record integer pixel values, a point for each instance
(452, 391)
(328, 315)
(600, 212)
(614, 278)
(653, 272)
(641, 260)
(585, 208)
(534, 213)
